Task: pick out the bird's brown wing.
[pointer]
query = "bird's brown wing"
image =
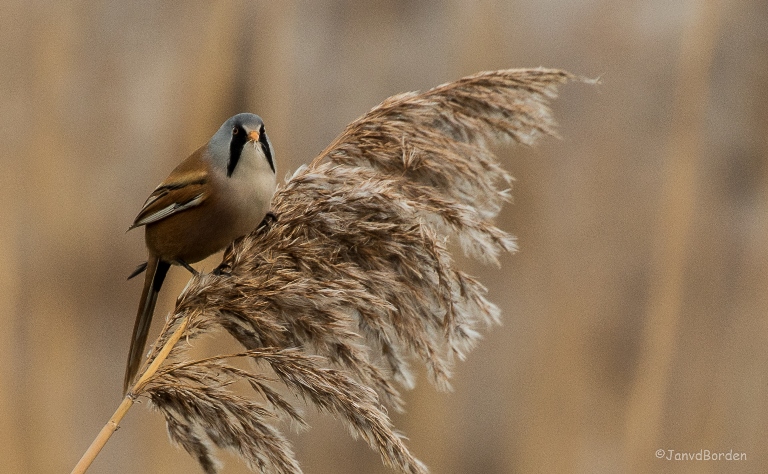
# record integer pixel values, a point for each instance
(185, 187)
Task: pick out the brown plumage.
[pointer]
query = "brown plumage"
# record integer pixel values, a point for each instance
(221, 192)
(354, 280)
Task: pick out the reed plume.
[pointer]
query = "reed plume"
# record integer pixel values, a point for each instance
(352, 281)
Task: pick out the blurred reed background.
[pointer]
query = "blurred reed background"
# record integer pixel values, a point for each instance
(634, 314)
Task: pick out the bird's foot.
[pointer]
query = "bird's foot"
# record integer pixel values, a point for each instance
(269, 219)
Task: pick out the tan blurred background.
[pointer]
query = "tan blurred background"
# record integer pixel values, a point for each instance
(635, 314)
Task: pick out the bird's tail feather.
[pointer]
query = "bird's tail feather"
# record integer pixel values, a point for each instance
(153, 281)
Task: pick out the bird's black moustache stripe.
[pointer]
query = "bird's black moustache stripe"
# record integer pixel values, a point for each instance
(239, 139)
(265, 146)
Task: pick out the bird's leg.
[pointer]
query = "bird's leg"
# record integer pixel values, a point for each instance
(188, 267)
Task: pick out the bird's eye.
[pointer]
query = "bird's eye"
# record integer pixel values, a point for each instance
(235, 130)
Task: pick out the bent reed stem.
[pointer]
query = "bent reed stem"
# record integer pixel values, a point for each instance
(114, 422)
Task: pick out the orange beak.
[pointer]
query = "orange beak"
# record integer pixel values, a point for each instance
(253, 136)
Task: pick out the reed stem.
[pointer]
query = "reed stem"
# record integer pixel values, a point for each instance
(114, 422)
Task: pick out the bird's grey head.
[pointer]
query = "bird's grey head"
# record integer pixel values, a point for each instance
(227, 144)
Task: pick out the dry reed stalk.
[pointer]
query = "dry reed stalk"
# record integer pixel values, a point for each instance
(114, 422)
(353, 280)
(646, 405)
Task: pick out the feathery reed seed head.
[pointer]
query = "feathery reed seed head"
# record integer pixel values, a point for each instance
(354, 281)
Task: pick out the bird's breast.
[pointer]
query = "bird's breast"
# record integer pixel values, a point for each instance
(249, 195)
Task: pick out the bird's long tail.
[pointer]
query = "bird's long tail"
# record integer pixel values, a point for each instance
(153, 280)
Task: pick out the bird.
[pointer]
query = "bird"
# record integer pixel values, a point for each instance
(220, 192)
